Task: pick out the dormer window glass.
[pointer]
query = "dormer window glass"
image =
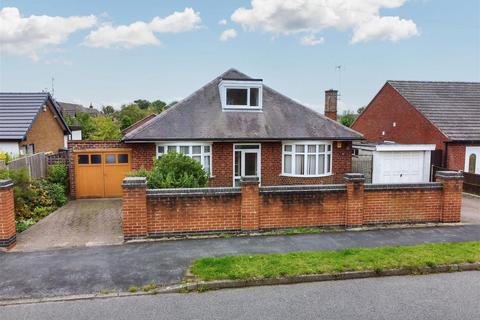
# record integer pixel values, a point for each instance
(241, 94)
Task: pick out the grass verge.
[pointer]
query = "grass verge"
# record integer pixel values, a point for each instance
(302, 263)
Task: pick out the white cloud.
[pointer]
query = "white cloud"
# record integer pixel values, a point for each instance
(384, 28)
(228, 34)
(312, 16)
(184, 21)
(31, 35)
(311, 40)
(124, 36)
(142, 33)
(222, 22)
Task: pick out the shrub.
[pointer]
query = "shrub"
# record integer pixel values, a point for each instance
(57, 173)
(58, 194)
(174, 170)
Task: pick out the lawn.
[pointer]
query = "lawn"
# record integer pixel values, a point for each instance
(301, 263)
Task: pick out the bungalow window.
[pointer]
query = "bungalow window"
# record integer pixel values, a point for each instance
(307, 159)
(199, 152)
(240, 94)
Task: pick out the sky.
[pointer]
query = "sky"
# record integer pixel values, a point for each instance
(112, 52)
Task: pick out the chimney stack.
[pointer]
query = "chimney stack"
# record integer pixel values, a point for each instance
(331, 104)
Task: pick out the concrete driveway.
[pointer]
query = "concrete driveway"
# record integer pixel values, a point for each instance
(471, 209)
(79, 223)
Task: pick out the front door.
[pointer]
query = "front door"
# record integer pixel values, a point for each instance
(246, 160)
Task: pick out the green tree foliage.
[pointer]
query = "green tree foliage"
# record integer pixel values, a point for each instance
(142, 104)
(108, 110)
(174, 170)
(347, 118)
(86, 123)
(158, 106)
(129, 114)
(105, 129)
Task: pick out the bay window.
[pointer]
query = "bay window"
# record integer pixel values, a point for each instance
(200, 152)
(307, 159)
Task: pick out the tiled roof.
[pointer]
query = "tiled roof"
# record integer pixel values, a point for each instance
(200, 117)
(19, 110)
(453, 107)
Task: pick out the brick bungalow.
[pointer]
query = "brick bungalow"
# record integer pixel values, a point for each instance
(235, 126)
(446, 114)
(31, 123)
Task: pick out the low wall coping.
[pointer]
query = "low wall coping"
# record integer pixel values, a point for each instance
(134, 182)
(303, 188)
(190, 192)
(5, 184)
(354, 177)
(449, 174)
(403, 186)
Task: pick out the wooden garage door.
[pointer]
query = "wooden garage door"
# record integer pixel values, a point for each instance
(99, 173)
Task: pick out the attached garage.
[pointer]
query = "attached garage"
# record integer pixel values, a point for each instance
(398, 163)
(99, 173)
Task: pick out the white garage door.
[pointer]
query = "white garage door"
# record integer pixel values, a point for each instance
(400, 167)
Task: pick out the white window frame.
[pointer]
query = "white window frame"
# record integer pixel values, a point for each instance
(190, 154)
(236, 84)
(305, 158)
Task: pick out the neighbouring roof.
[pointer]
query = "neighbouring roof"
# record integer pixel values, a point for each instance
(18, 111)
(200, 117)
(138, 123)
(453, 107)
(71, 109)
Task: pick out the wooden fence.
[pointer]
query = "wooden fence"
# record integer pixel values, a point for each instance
(36, 165)
(363, 165)
(471, 183)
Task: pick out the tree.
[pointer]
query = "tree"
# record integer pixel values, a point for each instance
(86, 123)
(129, 114)
(347, 118)
(158, 106)
(108, 110)
(105, 129)
(142, 104)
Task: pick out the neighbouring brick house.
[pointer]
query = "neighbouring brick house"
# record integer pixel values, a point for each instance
(446, 114)
(236, 126)
(30, 123)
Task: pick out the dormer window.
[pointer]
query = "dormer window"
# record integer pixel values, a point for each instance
(241, 94)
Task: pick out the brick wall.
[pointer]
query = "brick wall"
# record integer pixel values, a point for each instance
(388, 107)
(46, 132)
(253, 208)
(7, 215)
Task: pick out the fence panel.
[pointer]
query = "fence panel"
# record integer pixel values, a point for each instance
(36, 165)
(471, 183)
(363, 165)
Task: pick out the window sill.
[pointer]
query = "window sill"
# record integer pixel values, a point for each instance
(305, 176)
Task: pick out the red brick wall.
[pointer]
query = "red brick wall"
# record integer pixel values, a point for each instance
(7, 215)
(142, 155)
(193, 214)
(389, 106)
(402, 206)
(302, 209)
(286, 207)
(271, 165)
(134, 210)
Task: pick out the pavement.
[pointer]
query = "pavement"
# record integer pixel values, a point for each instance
(79, 223)
(452, 296)
(86, 270)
